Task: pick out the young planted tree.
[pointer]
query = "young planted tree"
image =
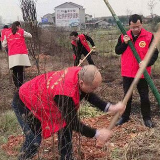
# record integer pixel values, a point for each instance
(151, 6)
(29, 14)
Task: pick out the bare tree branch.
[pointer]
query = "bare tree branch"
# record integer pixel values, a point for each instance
(29, 14)
(151, 6)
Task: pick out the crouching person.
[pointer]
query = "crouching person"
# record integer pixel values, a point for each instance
(48, 104)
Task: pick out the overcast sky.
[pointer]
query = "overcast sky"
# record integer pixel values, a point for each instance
(10, 9)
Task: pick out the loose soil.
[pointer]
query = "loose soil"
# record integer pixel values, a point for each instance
(121, 145)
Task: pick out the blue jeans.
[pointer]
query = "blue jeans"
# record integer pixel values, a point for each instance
(31, 127)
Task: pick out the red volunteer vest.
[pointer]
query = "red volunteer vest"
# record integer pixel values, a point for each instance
(129, 64)
(3, 33)
(16, 43)
(83, 41)
(38, 96)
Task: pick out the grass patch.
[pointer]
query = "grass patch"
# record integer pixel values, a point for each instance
(8, 126)
(87, 111)
(9, 123)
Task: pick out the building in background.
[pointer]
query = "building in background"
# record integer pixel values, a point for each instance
(88, 17)
(97, 24)
(48, 18)
(69, 15)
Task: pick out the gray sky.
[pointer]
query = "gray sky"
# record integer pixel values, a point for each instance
(10, 9)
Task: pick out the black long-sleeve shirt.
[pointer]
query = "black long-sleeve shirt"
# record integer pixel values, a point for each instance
(80, 49)
(69, 112)
(121, 47)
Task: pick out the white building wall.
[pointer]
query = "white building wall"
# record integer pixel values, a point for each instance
(67, 15)
(82, 15)
(88, 18)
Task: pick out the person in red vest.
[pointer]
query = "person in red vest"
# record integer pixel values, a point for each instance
(129, 66)
(0, 43)
(4, 30)
(49, 103)
(17, 51)
(80, 46)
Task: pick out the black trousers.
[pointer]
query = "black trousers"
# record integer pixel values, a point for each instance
(143, 90)
(65, 143)
(78, 57)
(18, 75)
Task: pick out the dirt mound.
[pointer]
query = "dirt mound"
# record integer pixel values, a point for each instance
(85, 148)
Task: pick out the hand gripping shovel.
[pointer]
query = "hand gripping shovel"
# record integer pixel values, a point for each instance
(138, 76)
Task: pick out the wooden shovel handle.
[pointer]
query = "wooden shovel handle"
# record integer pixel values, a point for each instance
(138, 76)
(85, 57)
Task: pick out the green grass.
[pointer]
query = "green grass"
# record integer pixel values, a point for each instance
(8, 126)
(87, 111)
(9, 123)
(105, 40)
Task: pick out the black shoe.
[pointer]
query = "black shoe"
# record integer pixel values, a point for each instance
(148, 123)
(122, 120)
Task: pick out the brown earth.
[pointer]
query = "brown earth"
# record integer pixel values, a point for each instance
(110, 90)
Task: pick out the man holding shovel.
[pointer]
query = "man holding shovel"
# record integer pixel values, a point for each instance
(80, 46)
(49, 103)
(142, 40)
